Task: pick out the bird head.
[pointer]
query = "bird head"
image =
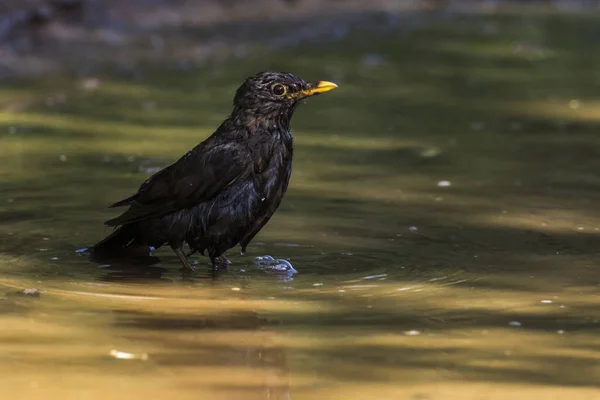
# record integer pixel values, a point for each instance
(276, 93)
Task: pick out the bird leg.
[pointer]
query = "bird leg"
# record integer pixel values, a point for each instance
(182, 257)
(222, 260)
(218, 262)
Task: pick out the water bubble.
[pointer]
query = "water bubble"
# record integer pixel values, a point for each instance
(430, 152)
(412, 332)
(413, 228)
(54, 258)
(236, 289)
(122, 355)
(546, 301)
(32, 292)
(514, 323)
(560, 332)
(63, 157)
(444, 183)
(317, 284)
(574, 104)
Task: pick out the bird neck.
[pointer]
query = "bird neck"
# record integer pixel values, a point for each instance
(252, 120)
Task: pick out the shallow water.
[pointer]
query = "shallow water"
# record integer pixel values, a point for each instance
(441, 216)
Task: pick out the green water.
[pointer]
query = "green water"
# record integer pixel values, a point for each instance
(442, 216)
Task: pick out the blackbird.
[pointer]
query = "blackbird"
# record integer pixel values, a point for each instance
(224, 190)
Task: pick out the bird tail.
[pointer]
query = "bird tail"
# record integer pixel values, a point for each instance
(119, 244)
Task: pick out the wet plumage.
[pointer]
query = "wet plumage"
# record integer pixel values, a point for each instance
(223, 191)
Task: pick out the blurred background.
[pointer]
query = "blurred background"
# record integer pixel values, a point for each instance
(442, 212)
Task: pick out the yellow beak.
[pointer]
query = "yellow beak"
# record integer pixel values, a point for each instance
(319, 87)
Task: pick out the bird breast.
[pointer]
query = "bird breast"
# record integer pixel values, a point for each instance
(272, 166)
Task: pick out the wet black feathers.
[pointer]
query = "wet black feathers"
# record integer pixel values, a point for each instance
(195, 178)
(226, 189)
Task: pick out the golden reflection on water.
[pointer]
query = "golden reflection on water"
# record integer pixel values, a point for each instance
(350, 340)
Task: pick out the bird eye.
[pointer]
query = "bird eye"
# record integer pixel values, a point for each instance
(278, 89)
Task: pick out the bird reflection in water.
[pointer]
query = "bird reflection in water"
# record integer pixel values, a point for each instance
(203, 344)
(144, 268)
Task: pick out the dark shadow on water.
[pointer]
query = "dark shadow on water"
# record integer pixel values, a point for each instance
(132, 274)
(150, 269)
(156, 321)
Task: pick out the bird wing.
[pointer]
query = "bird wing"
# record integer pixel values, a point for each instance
(196, 177)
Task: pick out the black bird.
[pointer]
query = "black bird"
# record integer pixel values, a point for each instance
(223, 191)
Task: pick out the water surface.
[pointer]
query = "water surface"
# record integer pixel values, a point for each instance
(442, 216)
